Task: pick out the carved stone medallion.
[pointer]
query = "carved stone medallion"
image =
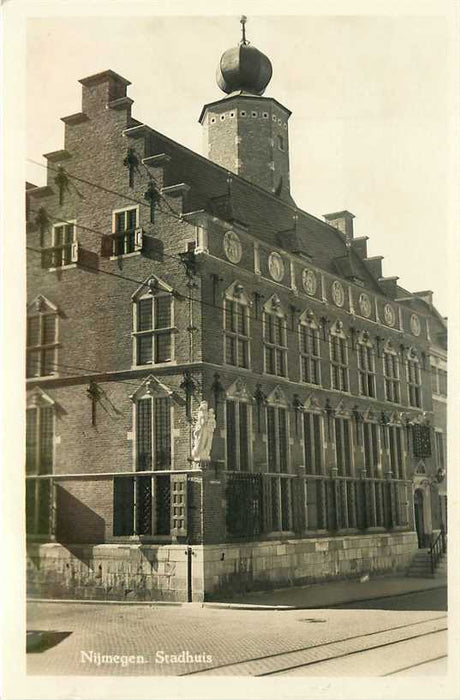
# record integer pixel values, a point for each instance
(415, 324)
(232, 247)
(365, 304)
(338, 294)
(309, 281)
(276, 266)
(389, 315)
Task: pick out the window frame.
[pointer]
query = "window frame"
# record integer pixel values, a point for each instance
(366, 373)
(342, 470)
(136, 250)
(343, 368)
(393, 429)
(153, 332)
(374, 447)
(237, 401)
(391, 380)
(241, 300)
(42, 309)
(153, 438)
(273, 309)
(307, 323)
(413, 362)
(317, 456)
(73, 245)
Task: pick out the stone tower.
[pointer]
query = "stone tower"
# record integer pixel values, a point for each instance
(245, 132)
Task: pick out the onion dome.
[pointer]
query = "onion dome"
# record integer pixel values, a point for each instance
(244, 68)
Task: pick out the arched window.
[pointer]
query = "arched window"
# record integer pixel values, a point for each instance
(366, 365)
(391, 373)
(310, 354)
(236, 326)
(339, 357)
(42, 338)
(413, 378)
(274, 322)
(153, 319)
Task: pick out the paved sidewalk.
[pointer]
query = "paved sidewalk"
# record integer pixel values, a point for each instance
(335, 593)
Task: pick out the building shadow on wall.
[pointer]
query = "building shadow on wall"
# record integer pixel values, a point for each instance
(77, 526)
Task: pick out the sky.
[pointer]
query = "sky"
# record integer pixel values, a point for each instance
(370, 97)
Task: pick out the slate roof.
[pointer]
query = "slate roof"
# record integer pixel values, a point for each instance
(265, 215)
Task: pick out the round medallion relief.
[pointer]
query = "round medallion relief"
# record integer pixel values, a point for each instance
(365, 305)
(389, 315)
(338, 295)
(415, 324)
(232, 247)
(276, 266)
(309, 281)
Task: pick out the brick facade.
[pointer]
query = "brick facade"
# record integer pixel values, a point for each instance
(111, 162)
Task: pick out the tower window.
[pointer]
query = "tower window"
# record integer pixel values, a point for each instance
(280, 141)
(222, 117)
(265, 115)
(243, 113)
(213, 120)
(274, 117)
(253, 114)
(232, 114)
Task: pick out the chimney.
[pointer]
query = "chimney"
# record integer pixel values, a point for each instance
(102, 90)
(343, 221)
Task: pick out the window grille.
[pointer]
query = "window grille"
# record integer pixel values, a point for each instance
(275, 344)
(236, 333)
(142, 505)
(153, 335)
(310, 354)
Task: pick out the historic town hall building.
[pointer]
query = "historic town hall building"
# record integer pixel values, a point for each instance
(223, 391)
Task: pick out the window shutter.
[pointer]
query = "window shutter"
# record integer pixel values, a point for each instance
(107, 246)
(123, 506)
(138, 238)
(74, 252)
(179, 505)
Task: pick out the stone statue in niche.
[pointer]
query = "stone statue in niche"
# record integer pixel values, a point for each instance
(203, 432)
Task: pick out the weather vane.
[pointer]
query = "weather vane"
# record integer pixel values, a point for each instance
(243, 21)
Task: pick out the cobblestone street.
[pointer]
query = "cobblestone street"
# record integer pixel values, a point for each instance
(128, 640)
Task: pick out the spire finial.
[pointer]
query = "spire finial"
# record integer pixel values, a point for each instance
(243, 21)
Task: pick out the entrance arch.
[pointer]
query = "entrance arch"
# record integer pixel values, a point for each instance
(419, 517)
